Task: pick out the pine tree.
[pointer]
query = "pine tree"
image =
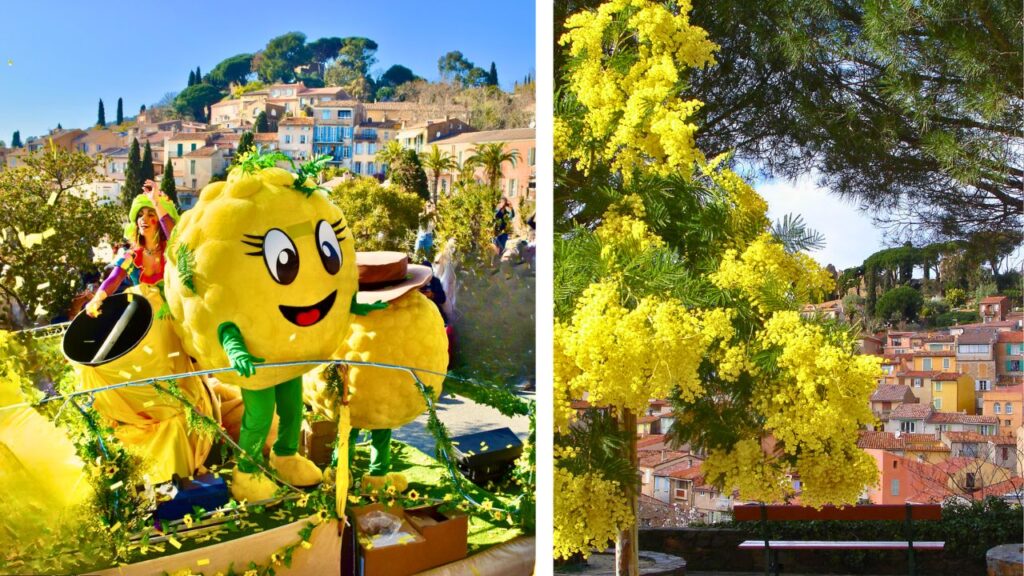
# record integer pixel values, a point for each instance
(492, 76)
(191, 77)
(147, 172)
(16, 139)
(142, 109)
(132, 175)
(59, 127)
(120, 112)
(167, 183)
(199, 76)
(101, 116)
(262, 125)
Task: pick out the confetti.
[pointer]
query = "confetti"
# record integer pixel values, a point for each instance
(202, 562)
(117, 485)
(115, 527)
(149, 350)
(174, 354)
(173, 542)
(52, 199)
(292, 337)
(129, 294)
(147, 404)
(18, 282)
(42, 286)
(305, 544)
(124, 374)
(137, 368)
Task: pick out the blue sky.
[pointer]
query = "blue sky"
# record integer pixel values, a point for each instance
(57, 59)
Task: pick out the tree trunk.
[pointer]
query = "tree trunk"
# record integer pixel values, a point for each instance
(627, 556)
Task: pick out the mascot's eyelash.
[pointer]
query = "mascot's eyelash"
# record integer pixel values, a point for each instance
(339, 231)
(258, 244)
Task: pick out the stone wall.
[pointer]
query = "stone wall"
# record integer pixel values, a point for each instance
(717, 550)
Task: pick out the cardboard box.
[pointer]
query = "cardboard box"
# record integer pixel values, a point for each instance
(440, 539)
(318, 440)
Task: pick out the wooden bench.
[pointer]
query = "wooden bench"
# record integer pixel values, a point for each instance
(774, 513)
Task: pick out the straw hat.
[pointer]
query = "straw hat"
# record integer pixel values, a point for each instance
(386, 276)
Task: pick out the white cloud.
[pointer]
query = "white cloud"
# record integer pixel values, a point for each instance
(850, 235)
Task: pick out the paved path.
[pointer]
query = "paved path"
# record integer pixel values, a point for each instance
(651, 564)
(461, 416)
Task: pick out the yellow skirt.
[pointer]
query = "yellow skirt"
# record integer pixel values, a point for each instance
(149, 423)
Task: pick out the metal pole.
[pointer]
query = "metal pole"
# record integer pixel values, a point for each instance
(122, 323)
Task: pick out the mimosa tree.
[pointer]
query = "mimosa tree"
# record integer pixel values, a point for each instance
(672, 283)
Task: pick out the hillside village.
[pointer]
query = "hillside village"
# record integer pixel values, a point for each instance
(303, 123)
(949, 424)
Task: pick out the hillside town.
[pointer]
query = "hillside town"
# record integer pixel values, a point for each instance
(949, 424)
(301, 123)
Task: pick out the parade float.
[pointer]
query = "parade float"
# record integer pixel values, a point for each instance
(114, 428)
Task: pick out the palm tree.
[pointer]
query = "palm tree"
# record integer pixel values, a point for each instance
(491, 156)
(390, 154)
(437, 161)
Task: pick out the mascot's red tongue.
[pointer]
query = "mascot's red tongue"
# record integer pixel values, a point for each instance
(307, 318)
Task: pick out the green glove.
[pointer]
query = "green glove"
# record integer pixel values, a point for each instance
(234, 346)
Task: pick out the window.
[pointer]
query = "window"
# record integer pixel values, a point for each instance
(1008, 408)
(969, 481)
(359, 147)
(532, 157)
(97, 147)
(997, 408)
(987, 430)
(371, 168)
(325, 115)
(193, 183)
(897, 342)
(287, 138)
(192, 167)
(907, 425)
(193, 147)
(660, 484)
(345, 114)
(945, 363)
(180, 147)
(935, 347)
(894, 488)
(917, 383)
(938, 386)
(926, 364)
(972, 349)
(937, 403)
(357, 167)
(371, 148)
(894, 463)
(982, 385)
(1013, 366)
(444, 186)
(512, 187)
(302, 138)
(1005, 453)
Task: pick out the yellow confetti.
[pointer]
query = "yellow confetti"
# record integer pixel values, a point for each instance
(202, 562)
(124, 374)
(305, 544)
(129, 294)
(18, 282)
(137, 368)
(48, 232)
(42, 286)
(117, 485)
(115, 527)
(147, 403)
(52, 199)
(292, 337)
(173, 542)
(174, 354)
(149, 350)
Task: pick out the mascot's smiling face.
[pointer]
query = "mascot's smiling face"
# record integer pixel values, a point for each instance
(276, 261)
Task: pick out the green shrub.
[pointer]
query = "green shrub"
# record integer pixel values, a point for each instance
(956, 317)
(900, 303)
(956, 297)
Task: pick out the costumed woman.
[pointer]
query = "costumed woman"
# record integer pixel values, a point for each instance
(150, 423)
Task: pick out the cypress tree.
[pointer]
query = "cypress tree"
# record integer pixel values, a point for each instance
(871, 286)
(16, 139)
(132, 175)
(262, 125)
(199, 76)
(191, 77)
(492, 76)
(59, 127)
(167, 183)
(142, 109)
(101, 116)
(147, 172)
(120, 112)
(245, 143)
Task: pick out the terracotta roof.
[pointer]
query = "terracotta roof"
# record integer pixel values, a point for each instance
(891, 393)
(191, 136)
(1011, 337)
(937, 337)
(385, 106)
(918, 437)
(967, 437)
(911, 412)
(992, 299)
(652, 440)
(946, 377)
(977, 337)
(1015, 392)
(204, 152)
(872, 440)
(295, 121)
(491, 136)
(989, 325)
(661, 458)
(265, 137)
(336, 103)
(933, 353)
(691, 473)
(324, 91)
(918, 374)
(959, 418)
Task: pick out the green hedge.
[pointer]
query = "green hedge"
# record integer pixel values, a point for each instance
(956, 317)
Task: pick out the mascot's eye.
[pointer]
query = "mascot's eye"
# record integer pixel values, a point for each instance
(327, 247)
(280, 256)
